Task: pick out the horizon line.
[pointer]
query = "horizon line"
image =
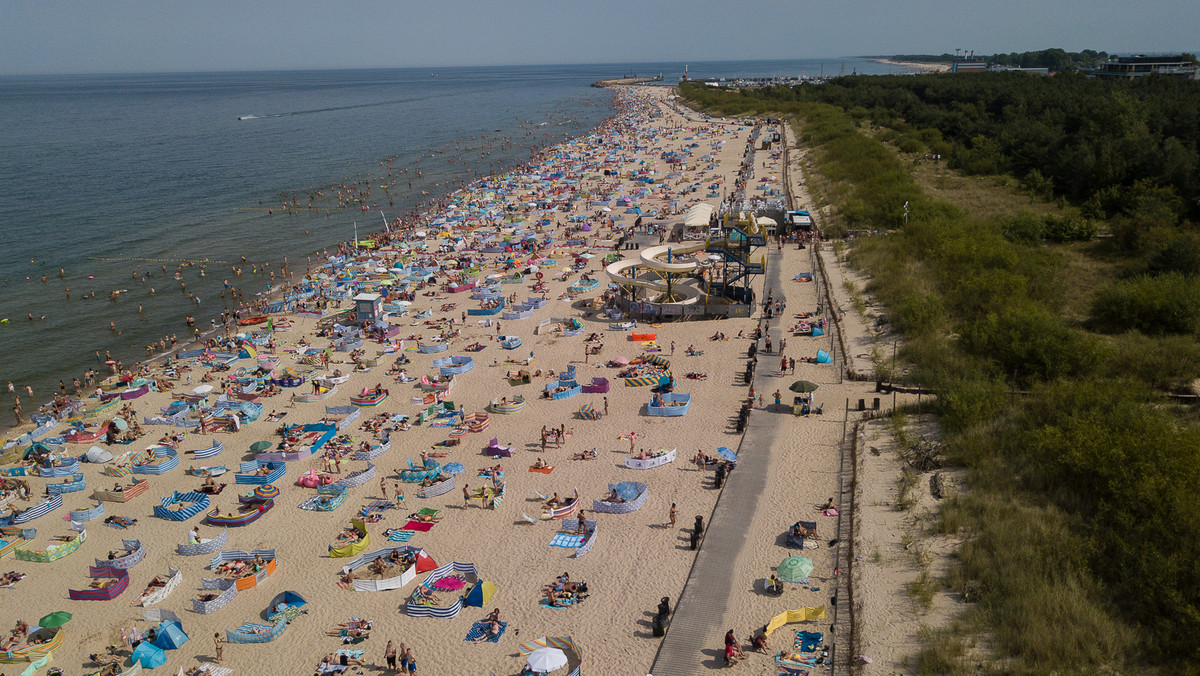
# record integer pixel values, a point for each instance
(300, 69)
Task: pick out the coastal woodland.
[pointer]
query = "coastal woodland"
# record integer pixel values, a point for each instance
(1053, 305)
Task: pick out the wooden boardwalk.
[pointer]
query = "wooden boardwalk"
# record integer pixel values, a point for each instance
(693, 640)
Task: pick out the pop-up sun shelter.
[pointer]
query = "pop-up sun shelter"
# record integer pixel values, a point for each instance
(98, 455)
(149, 655)
(170, 636)
(480, 594)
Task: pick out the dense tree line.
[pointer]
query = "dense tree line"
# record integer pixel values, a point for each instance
(1054, 59)
(1129, 148)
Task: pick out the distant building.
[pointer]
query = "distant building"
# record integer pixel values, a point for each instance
(1017, 69)
(1140, 65)
(968, 65)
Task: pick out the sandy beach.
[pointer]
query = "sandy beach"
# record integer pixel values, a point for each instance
(918, 66)
(636, 558)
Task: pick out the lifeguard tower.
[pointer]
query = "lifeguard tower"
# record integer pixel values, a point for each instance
(368, 307)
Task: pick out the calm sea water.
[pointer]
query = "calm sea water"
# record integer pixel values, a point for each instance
(107, 176)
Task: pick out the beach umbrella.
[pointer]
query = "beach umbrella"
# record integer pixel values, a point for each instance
(203, 389)
(727, 453)
(620, 360)
(266, 492)
(55, 619)
(626, 489)
(454, 468)
(260, 446)
(803, 386)
(795, 568)
(120, 424)
(545, 660)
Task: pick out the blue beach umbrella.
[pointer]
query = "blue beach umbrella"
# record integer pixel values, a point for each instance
(627, 490)
(454, 468)
(727, 453)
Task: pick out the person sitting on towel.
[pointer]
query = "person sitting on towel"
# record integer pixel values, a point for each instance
(613, 497)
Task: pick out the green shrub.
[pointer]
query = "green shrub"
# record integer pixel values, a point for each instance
(1166, 304)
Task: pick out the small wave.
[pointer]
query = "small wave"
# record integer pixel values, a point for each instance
(247, 117)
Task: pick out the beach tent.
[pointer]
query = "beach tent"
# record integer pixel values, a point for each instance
(149, 655)
(816, 331)
(97, 454)
(425, 562)
(480, 594)
(170, 636)
(823, 357)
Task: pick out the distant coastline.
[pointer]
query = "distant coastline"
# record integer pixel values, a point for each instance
(922, 66)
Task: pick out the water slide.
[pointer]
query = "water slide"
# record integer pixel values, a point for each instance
(655, 258)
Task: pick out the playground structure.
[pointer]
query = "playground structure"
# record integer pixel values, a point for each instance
(656, 277)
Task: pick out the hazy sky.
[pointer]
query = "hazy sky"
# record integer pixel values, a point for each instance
(54, 36)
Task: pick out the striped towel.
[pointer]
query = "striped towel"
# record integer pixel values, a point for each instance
(566, 540)
(400, 535)
(477, 632)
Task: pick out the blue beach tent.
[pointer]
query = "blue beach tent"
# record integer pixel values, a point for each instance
(149, 655)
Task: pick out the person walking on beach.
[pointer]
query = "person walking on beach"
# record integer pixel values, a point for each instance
(606, 406)
(383, 488)
(389, 655)
(671, 516)
(217, 642)
(466, 496)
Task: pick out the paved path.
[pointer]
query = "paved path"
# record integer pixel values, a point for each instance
(689, 646)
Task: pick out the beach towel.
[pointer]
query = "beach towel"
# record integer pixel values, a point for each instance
(808, 641)
(400, 535)
(487, 475)
(353, 654)
(418, 526)
(543, 470)
(566, 602)
(567, 540)
(477, 632)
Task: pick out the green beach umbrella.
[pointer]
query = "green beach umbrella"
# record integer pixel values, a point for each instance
(259, 446)
(55, 619)
(795, 568)
(803, 386)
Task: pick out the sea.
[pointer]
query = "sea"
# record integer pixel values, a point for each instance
(110, 183)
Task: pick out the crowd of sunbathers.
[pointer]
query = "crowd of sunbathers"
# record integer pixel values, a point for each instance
(238, 568)
(350, 630)
(348, 535)
(20, 632)
(562, 592)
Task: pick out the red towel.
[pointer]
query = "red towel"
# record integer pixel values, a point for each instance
(418, 526)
